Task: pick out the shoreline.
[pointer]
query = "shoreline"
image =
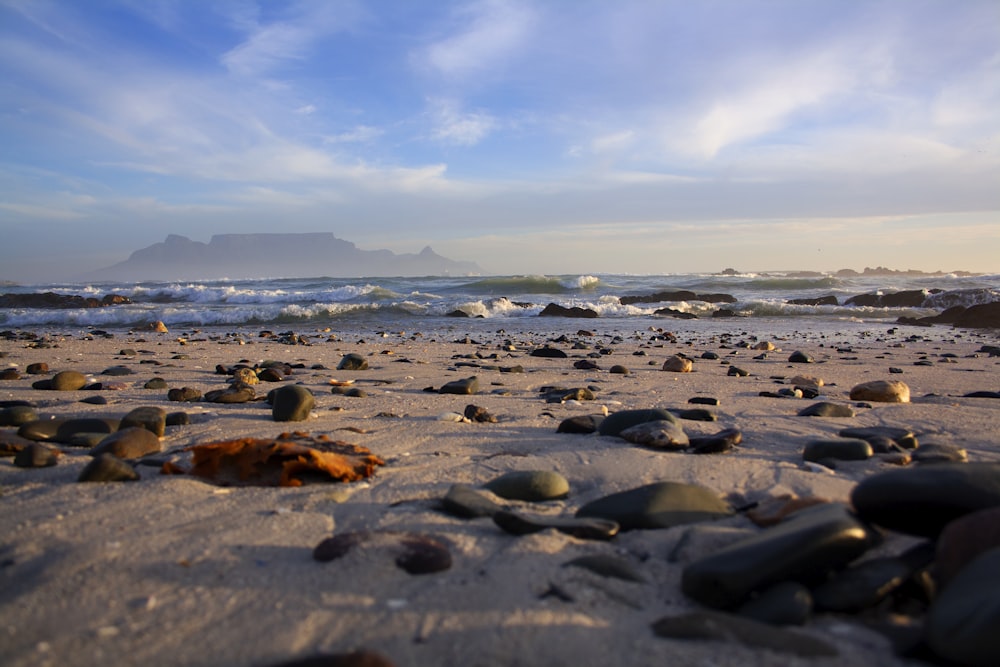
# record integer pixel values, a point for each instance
(174, 570)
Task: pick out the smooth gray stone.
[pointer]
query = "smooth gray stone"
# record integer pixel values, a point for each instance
(530, 485)
(108, 468)
(116, 371)
(659, 505)
(581, 424)
(903, 437)
(583, 528)
(922, 500)
(464, 501)
(802, 548)
(469, 385)
(36, 455)
(17, 415)
(963, 623)
(721, 442)
(63, 430)
(352, 362)
(661, 434)
(151, 418)
(67, 381)
(939, 453)
(129, 443)
(606, 565)
(731, 628)
(617, 422)
(292, 403)
(841, 450)
(230, 395)
(826, 409)
(861, 586)
(785, 603)
(155, 383)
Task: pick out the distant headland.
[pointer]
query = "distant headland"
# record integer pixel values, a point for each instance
(274, 255)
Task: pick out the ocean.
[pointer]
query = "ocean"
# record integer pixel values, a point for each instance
(429, 303)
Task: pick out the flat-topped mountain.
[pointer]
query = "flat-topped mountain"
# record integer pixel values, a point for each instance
(274, 256)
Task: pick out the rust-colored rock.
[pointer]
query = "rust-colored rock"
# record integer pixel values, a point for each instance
(284, 461)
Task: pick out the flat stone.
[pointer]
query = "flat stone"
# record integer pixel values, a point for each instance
(464, 501)
(581, 527)
(231, 395)
(547, 352)
(292, 403)
(658, 505)
(108, 468)
(129, 443)
(881, 391)
(117, 371)
(922, 500)
(731, 628)
(903, 437)
(963, 620)
(352, 362)
(530, 485)
(617, 422)
(803, 548)
(720, 443)
(581, 424)
(703, 400)
(63, 430)
(827, 409)
(939, 453)
(660, 434)
(466, 386)
(151, 418)
(843, 449)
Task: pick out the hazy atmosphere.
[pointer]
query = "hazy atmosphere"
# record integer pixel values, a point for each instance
(527, 137)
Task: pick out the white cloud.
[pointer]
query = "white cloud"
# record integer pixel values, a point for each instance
(463, 128)
(490, 32)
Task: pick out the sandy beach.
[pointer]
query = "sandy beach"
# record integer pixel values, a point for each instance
(176, 570)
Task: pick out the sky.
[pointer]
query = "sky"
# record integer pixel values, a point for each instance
(531, 137)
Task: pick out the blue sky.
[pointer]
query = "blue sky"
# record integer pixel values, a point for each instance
(557, 136)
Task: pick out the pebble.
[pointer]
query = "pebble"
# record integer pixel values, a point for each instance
(530, 485)
(658, 505)
(881, 391)
(184, 395)
(660, 434)
(800, 358)
(735, 371)
(466, 386)
(901, 436)
(63, 430)
(963, 620)
(151, 418)
(67, 381)
(155, 383)
(585, 528)
(843, 449)
(38, 368)
(939, 453)
(36, 455)
(352, 362)
(618, 369)
(231, 394)
(108, 468)
(9, 374)
(827, 409)
(465, 502)
(117, 371)
(292, 403)
(678, 364)
(129, 443)
(415, 554)
(245, 375)
(703, 400)
(549, 353)
(922, 500)
(17, 415)
(731, 628)
(618, 421)
(721, 442)
(802, 548)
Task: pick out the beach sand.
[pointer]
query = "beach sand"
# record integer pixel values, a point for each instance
(174, 570)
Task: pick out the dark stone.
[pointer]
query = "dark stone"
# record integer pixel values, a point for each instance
(735, 371)
(352, 362)
(17, 415)
(617, 422)
(981, 316)
(464, 501)
(982, 394)
(582, 424)
(827, 409)
(549, 353)
(339, 545)
(696, 415)
(116, 371)
(922, 500)
(730, 628)
(530, 485)
(466, 386)
(9, 374)
(561, 395)
(658, 505)
(155, 383)
(362, 658)
(581, 527)
(53, 300)
(555, 310)
(660, 434)
(423, 555)
(963, 621)
(802, 548)
(618, 369)
(476, 413)
(94, 400)
(292, 403)
(178, 419)
(904, 299)
(38, 368)
(939, 453)
(703, 400)
(677, 295)
(108, 468)
(800, 358)
(151, 418)
(184, 395)
(840, 450)
(129, 443)
(721, 442)
(36, 455)
(818, 301)
(785, 603)
(63, 430)
(862, 586)
(585, 365)
(901, 436)
(235, 393)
